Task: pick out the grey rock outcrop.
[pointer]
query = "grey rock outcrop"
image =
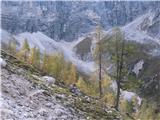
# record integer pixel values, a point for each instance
(69, 20)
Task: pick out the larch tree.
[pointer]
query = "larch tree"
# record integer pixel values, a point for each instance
(12, 46)
(115, 44)
(55, 65)
(52, 67)
(25, 50)
(73, 74)
(37, 58)
(119, 58)
(32, 56)
(65, 73)
(120, 52)
(45, 62)
(59, 65)
(98, 57)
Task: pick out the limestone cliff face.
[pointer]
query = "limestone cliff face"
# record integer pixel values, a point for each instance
(69, 20)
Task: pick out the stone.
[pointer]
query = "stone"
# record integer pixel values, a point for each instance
(48, 104)
(60, 96)
(42, 112)
(59, 111)
(137, 67)
(73, 88)
(49, 80)
(20, 70)
(2, 62)
(27, 105)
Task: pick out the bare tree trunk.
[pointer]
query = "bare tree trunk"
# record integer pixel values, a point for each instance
(100, 62)
(119, 73)
(25, 56)
(117, 77)
(118, 95)
(100, 71)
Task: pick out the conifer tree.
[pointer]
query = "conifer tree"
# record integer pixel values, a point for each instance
(37, 58)
(61, 65)
(65, 73)
(24, 52)
(81, 84)
(45, 62)
(115, 46)
(12, 46)
(119, 59)
(98, 58)
(25, 45)
(73, 74)
(119, 52)
(51, 65)
(55, 65)
(32, 56)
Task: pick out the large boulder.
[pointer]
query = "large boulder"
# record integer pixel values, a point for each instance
(73, 88)
(2, 62)
(49, 80)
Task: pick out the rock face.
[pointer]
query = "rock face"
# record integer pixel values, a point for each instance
(83, 49)
(138, 66)
(151, 77)
(69, 20)
(152, 25)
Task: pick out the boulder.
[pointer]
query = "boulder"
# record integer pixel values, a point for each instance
(49, 80)
(3, 62)
(42, 112)
(73, 88)
(138, 66)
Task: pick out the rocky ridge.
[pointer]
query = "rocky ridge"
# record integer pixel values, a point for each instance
(68, 20)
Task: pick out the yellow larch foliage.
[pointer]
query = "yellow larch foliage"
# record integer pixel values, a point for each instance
(32, 56)
(73, 74)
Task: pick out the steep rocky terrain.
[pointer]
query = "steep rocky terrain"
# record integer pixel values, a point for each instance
(25, 96)
(51, 26)
(62, 20)
(144, 29)
(138, 20)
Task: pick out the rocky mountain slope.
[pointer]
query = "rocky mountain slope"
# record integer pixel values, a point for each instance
(144, 30)
(45, 43)
(25, 95)
(144, 34)
(62, 20)
(44, 24)
(50, 20)
(80, 52)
